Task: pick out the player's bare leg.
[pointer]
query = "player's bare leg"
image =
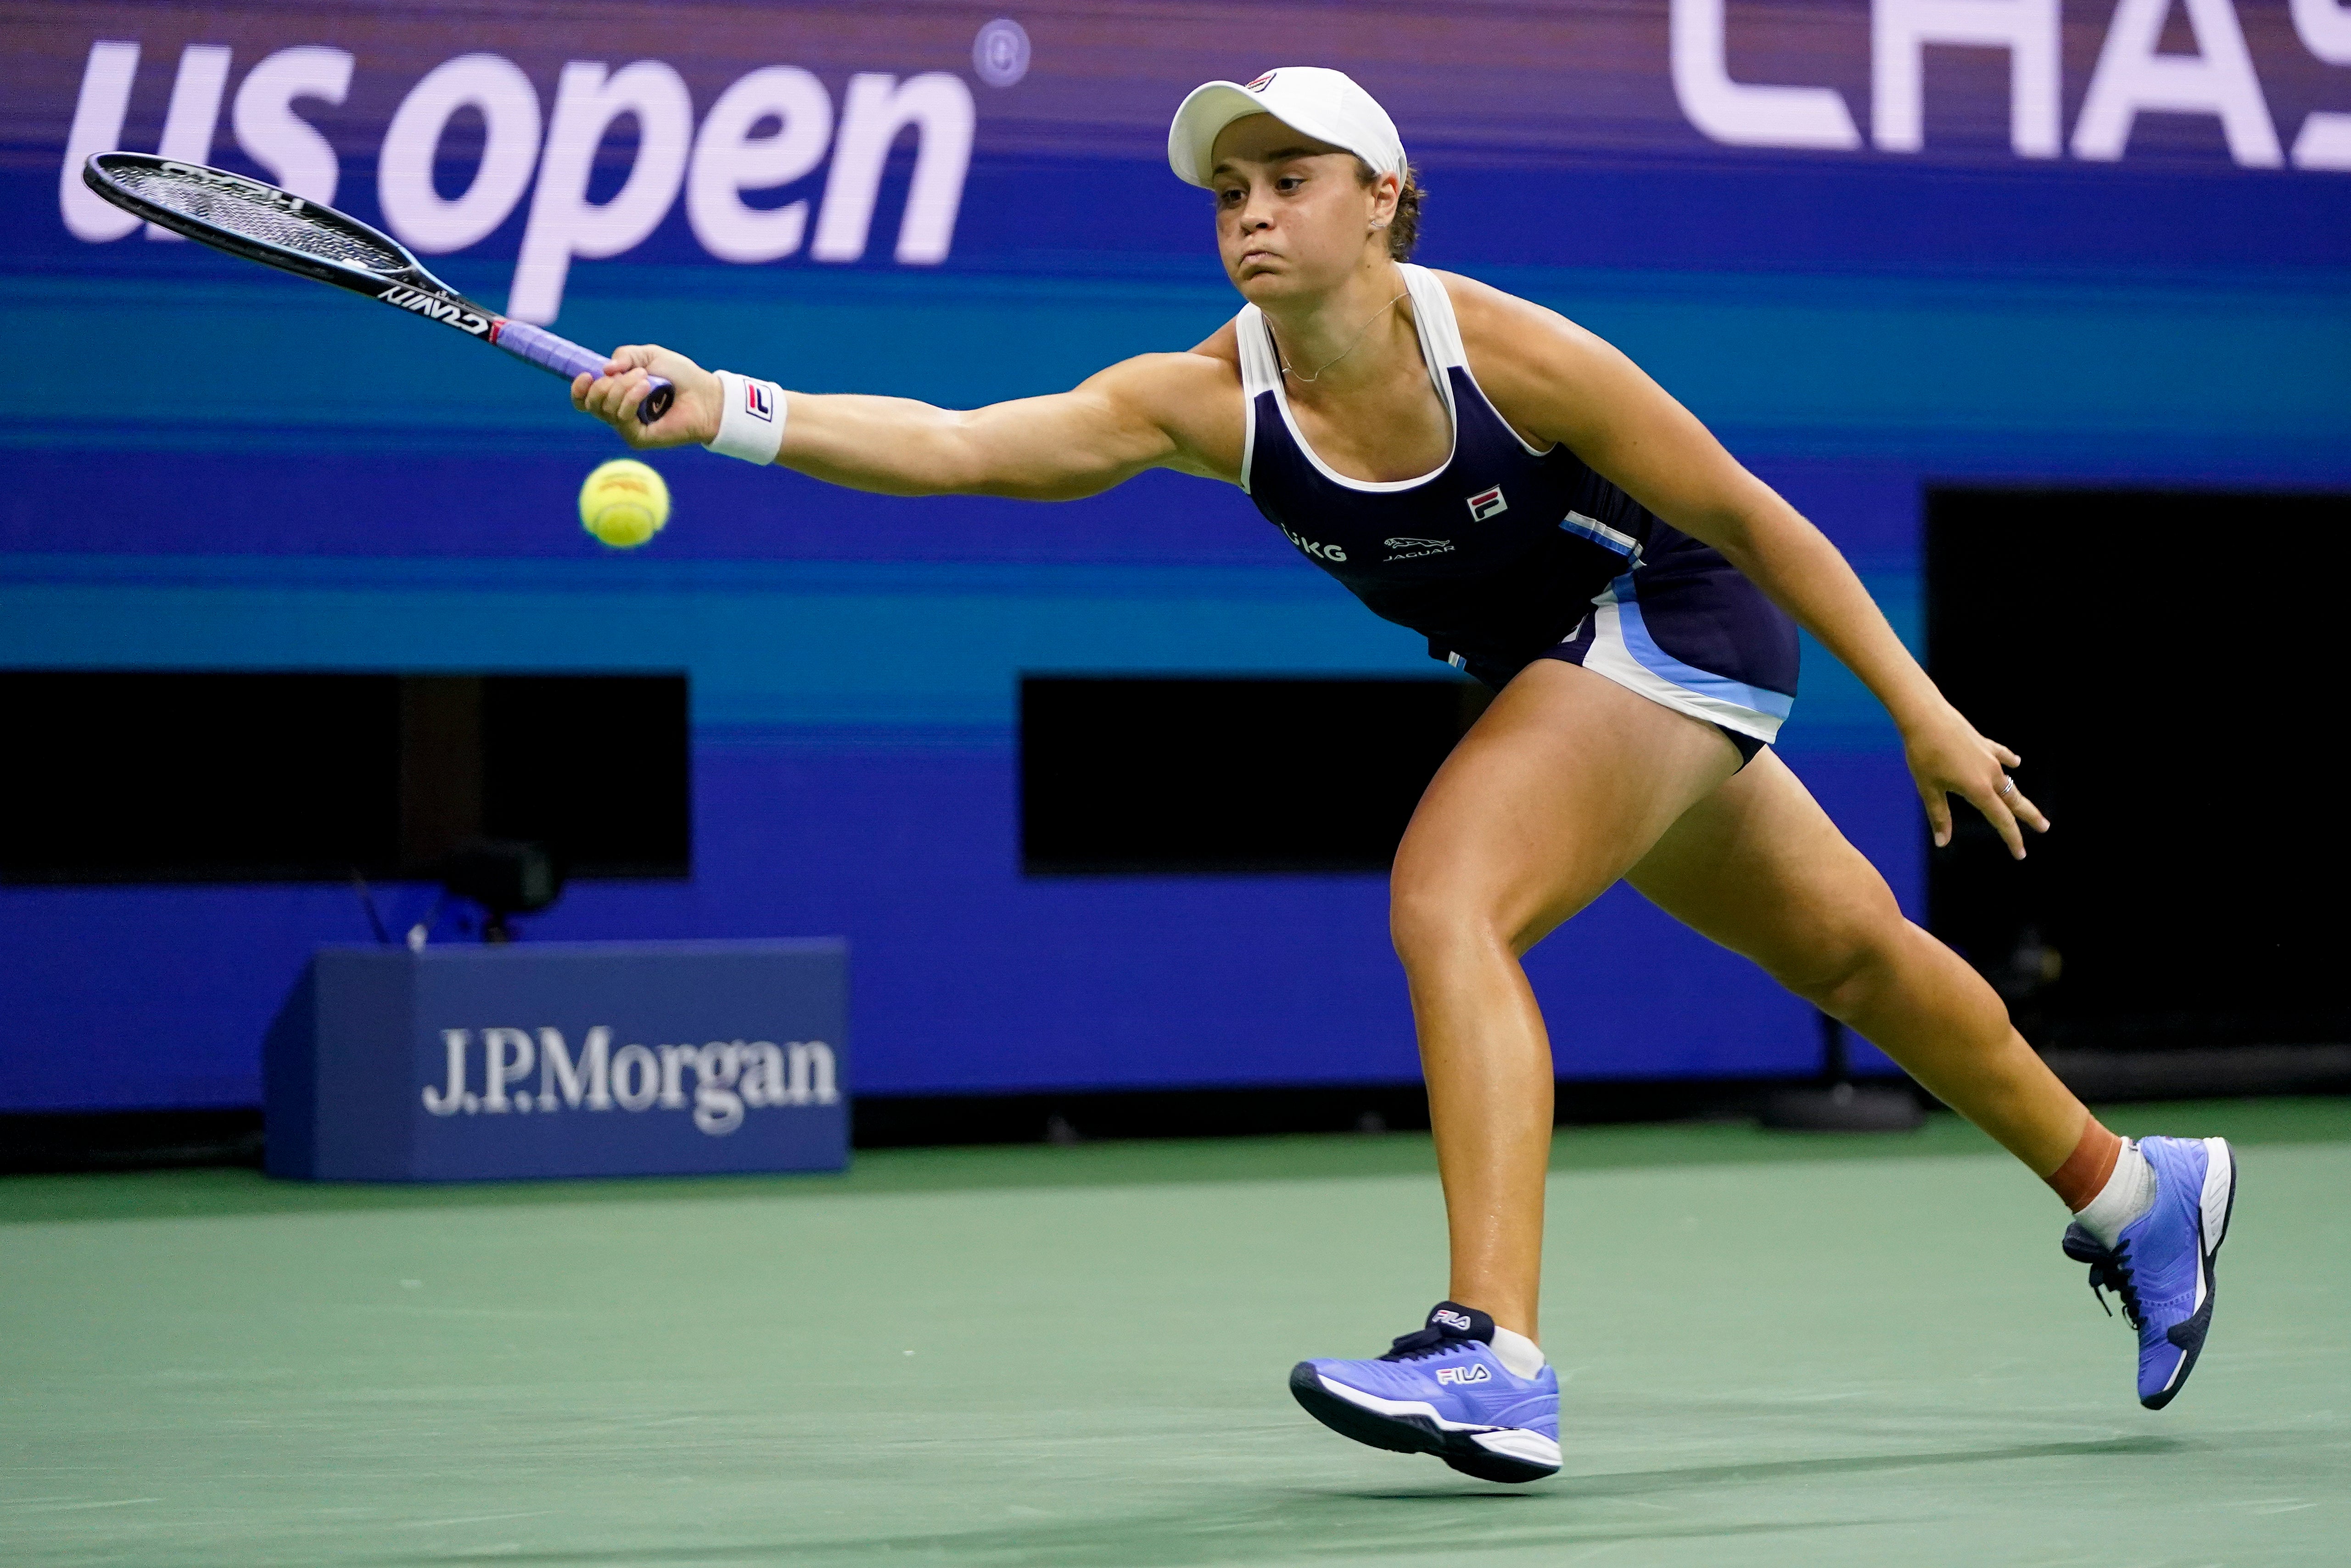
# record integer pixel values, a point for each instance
(1561, 786)
(1759, 867)
(1557, 791)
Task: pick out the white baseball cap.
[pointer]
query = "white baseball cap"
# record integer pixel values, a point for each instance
(1327, 105)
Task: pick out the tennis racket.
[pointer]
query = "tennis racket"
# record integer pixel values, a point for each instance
(277, 228)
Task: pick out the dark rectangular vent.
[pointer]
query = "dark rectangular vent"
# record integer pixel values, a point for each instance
(178, 776)
(1162, 774)
(2164, 663)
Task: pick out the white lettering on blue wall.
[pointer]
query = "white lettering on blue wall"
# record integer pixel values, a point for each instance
(2324, 28)
(492, 87)
(545, 155)
(731, 1078)
(2133, 76)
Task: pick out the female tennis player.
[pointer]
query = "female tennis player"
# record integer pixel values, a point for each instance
(1489, 473)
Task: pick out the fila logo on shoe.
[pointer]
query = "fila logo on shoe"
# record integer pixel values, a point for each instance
(1478, 1373)
(1453, 1320)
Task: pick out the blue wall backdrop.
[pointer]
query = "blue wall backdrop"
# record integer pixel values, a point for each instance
(2094, 243)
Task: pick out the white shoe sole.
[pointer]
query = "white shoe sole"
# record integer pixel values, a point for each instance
(1414, 1426)
(2219, 1189)
(2215, 1203)
(1512, 1442)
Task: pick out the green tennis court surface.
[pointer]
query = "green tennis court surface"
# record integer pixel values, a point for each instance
(1774, 1350)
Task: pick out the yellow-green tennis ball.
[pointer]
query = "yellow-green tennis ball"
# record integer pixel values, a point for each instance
(624, 503)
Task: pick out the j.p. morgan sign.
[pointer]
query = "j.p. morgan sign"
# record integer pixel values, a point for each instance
(718, 1081)
(638, 1059)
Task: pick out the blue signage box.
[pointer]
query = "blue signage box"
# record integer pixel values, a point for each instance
(579, 1059)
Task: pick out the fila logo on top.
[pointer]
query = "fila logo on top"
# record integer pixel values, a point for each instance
(1474, 1374)
(1453, 1320)
(1262, 82)
(1488, 502)
(758, 401)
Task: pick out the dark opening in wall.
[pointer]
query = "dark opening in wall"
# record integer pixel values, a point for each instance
(178, 776)
(2165, 663)
(1164, 774)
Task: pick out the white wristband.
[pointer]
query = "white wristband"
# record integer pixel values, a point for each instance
(751, 419)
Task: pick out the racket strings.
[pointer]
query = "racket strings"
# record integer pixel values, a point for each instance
(254, 217)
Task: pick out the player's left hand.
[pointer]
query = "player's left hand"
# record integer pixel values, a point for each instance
(1948, 758)
(613, 396)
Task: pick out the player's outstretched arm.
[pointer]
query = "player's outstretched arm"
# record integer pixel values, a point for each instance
(1153, 410)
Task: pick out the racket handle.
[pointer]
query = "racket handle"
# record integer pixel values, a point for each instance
(568, 359)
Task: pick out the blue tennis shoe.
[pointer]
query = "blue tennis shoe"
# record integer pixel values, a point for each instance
(1441, 1391)
(2161, 1264)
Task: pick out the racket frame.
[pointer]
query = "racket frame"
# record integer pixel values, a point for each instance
(407, 286)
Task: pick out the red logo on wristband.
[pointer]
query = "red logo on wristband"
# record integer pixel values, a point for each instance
(758, 401)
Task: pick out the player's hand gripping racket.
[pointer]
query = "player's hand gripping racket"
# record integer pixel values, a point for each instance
(277, 228)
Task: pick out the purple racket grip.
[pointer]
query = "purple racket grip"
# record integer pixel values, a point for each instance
(568, 359)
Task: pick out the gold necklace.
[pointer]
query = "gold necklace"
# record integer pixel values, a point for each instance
(1341, 353)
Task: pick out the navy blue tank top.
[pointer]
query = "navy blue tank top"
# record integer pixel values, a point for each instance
(1493, 557)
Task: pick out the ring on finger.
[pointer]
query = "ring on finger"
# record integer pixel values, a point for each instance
(2007, 785)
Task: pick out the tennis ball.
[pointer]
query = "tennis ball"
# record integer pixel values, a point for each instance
(624, 503)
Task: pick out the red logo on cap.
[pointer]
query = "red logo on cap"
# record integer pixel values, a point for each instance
(1263, 82)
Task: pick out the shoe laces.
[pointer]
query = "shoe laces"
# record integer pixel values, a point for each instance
(2110, 1269)
(1423, 1343)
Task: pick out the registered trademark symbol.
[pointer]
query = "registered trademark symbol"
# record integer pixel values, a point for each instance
(1001, 52)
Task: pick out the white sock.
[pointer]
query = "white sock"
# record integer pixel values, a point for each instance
(1515, 1351)
(2128, 1193)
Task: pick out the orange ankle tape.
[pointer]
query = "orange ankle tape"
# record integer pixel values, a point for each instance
(2083, 1175)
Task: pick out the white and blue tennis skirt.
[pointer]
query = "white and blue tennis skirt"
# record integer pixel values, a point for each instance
(1686, 630)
